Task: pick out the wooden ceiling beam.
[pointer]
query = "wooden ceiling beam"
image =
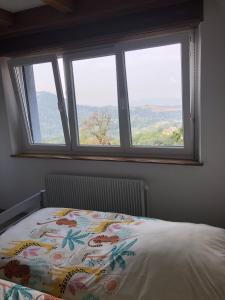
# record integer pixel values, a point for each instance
(82, 32)
(87, 12)
(6, 18)
(64, 6)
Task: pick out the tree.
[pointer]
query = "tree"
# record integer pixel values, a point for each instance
(159, 136)
(178, 136)
(96, 128)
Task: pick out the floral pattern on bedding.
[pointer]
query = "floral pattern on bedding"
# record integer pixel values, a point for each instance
(12, 291)
(70, 253)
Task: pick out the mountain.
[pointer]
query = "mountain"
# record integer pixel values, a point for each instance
(161, 108)
(142, 117)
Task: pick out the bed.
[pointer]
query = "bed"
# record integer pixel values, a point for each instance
(72, 253)
(10, 290)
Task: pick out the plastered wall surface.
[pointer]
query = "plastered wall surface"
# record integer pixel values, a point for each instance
(177, 193)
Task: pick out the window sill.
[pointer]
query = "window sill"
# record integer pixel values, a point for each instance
(111, 159)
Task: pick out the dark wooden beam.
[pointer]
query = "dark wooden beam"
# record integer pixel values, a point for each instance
(106, 30)
(6, 18)
(106, 23)
(64, 6)
(87, 11)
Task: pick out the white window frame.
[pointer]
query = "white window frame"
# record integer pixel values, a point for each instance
(29, 146)
(187, 65)
(76, 147)
(71, 132)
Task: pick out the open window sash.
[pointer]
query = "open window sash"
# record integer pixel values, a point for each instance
(22, 77)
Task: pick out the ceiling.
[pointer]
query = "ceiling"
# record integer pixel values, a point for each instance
(19, 5)
(26, 25)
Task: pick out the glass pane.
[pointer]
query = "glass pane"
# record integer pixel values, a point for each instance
(97, 104)
(154, 79)
(63, 81)
(42, 104)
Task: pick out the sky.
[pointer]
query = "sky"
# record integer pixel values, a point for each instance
(153, 77)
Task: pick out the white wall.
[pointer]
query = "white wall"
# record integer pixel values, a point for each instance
(180, 193)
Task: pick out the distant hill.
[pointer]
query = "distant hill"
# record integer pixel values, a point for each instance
(142, 117)
(161, 108)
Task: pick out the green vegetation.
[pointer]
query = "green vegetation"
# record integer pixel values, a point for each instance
(96, 130)
(156, 126)
(159, 137)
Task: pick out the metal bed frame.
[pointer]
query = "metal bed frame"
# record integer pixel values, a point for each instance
(21, 210)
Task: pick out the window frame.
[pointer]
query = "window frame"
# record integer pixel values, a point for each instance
(73, 118)
(27, 131)
(187, 72)
(189, 86)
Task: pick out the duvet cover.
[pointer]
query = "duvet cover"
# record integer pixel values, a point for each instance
(12, 291)
(89, 255)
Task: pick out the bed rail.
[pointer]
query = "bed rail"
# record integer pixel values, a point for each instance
(21, 210)
(120, 195)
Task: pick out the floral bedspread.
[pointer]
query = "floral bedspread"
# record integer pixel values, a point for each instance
(87, 255)
(12, 291)
(69, 253)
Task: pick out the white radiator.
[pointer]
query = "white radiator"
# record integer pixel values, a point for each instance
(97, 193)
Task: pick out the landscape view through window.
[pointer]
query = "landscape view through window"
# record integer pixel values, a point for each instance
(154, 84)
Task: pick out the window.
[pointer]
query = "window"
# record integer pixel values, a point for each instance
(42, 103)
(155, 96)
(96, 99)
(131, 99)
